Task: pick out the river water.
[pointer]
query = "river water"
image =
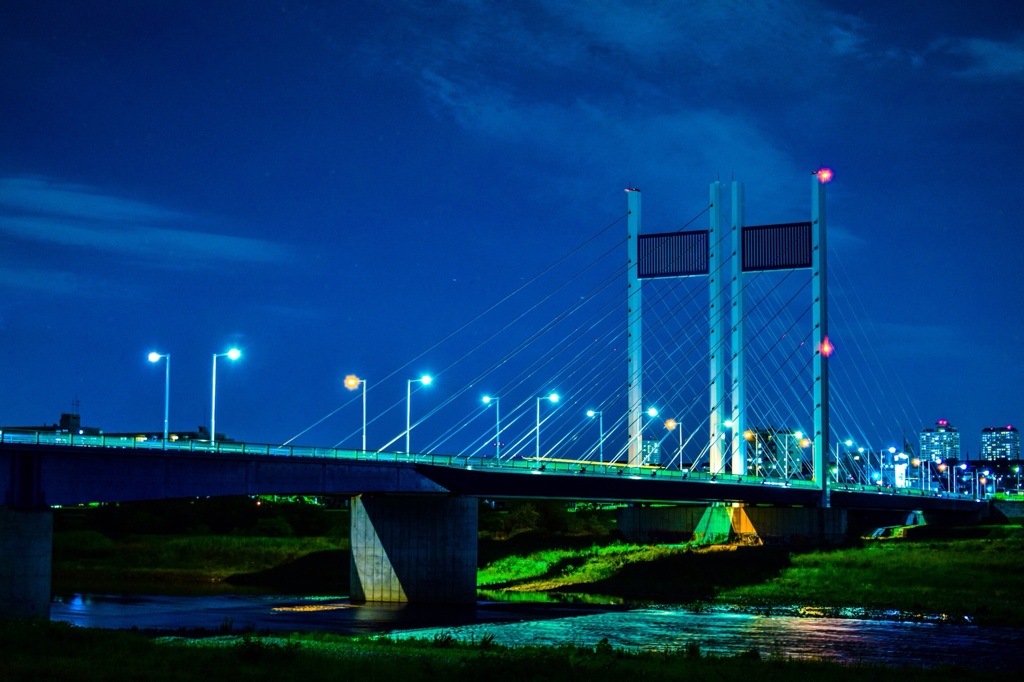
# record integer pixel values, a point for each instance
(716, 631)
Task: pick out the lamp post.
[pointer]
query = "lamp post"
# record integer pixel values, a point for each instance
(553, 397)
(881, 456)
(600, 426)
(850, 468)
(751, 436)
(232, 354)
(652, 412)
(425, 380)
(497, 423)
(672, 425)
(944, 467)
(352, 382)
(156, 357)
(805, 442)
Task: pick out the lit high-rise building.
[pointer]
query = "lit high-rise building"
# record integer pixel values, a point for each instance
(1000, 441)
(940, 443)
(651, 452)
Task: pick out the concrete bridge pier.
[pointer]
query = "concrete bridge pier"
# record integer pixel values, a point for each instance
(26, 545)
(414, 548)
(26, 542)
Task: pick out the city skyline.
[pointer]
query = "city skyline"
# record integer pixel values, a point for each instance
(336, 190)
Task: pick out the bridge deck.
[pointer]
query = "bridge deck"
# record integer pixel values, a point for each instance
(75, 469)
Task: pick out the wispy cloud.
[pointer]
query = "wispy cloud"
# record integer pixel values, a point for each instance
(539, 81)
(58, 281)
(81, 217)
(989, 59)
(592, 134)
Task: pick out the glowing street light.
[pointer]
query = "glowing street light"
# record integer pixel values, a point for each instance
(600, 426)
(156, 357)
(651, 412)
(671, 425)
(352, 382)
(487, 400)
(553, 397)
(232, 354)
(425, 380)
(752, 436)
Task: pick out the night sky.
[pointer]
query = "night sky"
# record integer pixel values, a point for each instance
(381, 189)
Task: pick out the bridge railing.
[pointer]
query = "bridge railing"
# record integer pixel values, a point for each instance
(531, 464)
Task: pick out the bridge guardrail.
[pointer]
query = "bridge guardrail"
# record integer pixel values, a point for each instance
(464, 461)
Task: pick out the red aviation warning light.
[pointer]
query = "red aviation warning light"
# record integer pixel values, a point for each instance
(824, 175)
(826, 347)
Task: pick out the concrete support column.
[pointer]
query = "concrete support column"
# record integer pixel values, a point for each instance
(417, 549)
(26, 545)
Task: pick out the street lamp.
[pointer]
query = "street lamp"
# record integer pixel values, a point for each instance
(652, 412)
(425, 380)
(881, 464)
(805, 442)
(352, 382)
(944, 467)
(671, 425)
(751, 436)
(497, 423)
(553, 397)
(600, 426)
(232, 354)
(156, 357)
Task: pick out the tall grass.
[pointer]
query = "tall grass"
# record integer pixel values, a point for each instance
(978, 580)
(202, 558)
(553, 568)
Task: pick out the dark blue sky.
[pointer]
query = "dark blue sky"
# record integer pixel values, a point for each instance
(336, 187)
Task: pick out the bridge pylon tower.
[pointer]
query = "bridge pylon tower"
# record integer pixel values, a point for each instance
(786, 246)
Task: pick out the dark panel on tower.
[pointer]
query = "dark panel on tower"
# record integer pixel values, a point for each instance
(776, 247)
(672, 254)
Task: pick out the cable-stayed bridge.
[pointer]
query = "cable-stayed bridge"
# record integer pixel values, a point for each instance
(702, 359)
(705, 349)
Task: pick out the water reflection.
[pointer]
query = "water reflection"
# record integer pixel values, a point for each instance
(236, 613)
(847, 640)
(850, 640)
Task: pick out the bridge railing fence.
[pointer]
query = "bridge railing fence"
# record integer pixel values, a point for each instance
(463, 461)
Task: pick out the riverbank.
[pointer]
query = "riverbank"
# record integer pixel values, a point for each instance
(973, 580)
(965, 580)
(53, 651)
